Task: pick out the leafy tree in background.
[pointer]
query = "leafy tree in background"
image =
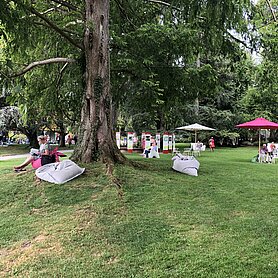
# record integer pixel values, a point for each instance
(262, 98)
(43, 94)
(161, 67)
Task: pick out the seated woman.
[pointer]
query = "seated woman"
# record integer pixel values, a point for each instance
(43, 150)
(263, 155)
(154, 151)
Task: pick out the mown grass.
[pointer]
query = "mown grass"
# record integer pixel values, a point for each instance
(14, 149)
(222, 223)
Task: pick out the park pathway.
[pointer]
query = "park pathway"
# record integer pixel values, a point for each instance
(8, 157)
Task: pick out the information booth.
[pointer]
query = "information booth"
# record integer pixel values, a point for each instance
(130, 136)
(131, 142)
(165, 142)
(118, 139)
(157, 138)
(170, 142)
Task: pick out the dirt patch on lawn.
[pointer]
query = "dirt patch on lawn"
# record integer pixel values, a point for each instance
(28, 251)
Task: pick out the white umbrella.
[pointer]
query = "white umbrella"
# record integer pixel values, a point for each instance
(195, 127)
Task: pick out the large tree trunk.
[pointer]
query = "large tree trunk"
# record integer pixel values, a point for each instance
(32, 135)
(96, 140)
(33, 138)
(62, 138)
(62, 133)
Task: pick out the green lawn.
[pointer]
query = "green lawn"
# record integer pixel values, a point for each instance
(223, 223)
(14, 149)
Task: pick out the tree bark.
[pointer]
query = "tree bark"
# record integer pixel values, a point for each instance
(62, 134)
(96, 139)
(32, 137)
(62, 139)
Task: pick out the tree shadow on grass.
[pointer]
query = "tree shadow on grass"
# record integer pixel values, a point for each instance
(138, 234)
(64, 195)
(242, 160)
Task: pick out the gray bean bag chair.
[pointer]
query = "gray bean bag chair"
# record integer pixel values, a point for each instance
(59, 172)
(186, 164)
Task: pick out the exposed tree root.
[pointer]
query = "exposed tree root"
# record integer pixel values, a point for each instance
(138, 165)
(114, 180)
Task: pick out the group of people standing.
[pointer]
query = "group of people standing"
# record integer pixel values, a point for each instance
(266, 153)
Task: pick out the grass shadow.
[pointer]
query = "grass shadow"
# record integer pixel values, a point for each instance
(64, 195)
(139, 233)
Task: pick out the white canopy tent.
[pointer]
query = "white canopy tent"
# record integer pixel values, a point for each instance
(195, 127)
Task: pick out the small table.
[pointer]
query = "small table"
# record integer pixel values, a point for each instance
(196, 153)
(187, 152)
(273, 159)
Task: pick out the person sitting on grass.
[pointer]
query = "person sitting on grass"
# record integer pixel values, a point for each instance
(43, 150)
(146, 152)
(154, 151)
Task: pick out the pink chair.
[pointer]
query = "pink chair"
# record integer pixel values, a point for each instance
(38, 162)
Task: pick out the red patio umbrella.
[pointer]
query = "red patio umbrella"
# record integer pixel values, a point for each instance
(259, 123)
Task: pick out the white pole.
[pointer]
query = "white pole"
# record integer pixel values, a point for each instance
(195, 136)
(259, 141)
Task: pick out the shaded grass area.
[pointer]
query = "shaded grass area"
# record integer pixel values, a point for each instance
(222, 223)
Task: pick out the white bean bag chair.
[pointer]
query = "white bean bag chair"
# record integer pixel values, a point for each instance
(59, 172)
(186, 164)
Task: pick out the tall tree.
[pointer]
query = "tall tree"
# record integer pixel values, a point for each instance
(262, 98)
(96, 139)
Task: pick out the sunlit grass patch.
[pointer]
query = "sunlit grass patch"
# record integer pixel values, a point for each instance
(25, 252)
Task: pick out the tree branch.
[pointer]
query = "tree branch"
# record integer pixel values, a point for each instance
(60, 75)
(160, 2)
(56, 28)
(48, 11)
(123, 11)
(39, 23)
(239, 41)
(43, 62)
(272, 11)
(66, 4)
(163, 3)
